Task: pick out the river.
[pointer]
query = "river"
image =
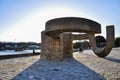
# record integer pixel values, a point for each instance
(12, 52)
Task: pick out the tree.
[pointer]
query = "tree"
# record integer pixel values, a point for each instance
(117, 42)
(100, 41)
(85, 44)
(76, 45)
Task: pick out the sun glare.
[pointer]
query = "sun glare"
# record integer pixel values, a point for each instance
(55, 12)
(29, 27)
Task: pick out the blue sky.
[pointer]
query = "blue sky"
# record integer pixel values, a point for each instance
(23, 20)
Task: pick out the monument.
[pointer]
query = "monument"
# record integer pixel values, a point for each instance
(57, 38)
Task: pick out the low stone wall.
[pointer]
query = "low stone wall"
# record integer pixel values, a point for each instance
(17, 55)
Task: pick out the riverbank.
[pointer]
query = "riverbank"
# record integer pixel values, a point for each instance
(13, 52)
(17, 55)
(7, 54)
(84, 66)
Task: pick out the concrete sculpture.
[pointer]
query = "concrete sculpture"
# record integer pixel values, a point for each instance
(57, 37)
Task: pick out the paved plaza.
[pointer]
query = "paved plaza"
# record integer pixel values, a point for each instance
(84, 66)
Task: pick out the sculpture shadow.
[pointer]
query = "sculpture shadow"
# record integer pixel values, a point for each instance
(113, 59)
(68, 69)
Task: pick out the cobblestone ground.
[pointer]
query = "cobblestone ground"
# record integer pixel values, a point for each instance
(84, 66)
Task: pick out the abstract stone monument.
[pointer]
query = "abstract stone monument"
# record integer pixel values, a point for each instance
(57, 37)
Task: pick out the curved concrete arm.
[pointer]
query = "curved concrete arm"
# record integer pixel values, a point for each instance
(102, 52)
(71, 24)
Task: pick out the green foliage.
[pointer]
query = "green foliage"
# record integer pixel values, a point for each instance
(100, 41)
(117, 42)
(82, 45)
(76, 45)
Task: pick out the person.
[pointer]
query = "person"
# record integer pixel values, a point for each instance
(81, 50)
(33, 51)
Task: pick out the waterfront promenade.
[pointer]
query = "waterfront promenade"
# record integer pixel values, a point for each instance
(85, 66)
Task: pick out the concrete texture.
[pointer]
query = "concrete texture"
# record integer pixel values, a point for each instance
(57, 37)
(71, 24)
(67, 45)
(109, 42)
(51, 49)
